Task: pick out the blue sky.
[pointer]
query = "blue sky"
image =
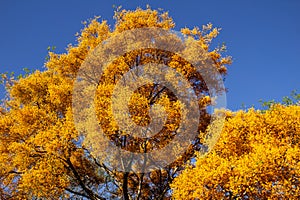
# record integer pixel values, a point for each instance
(263, 36)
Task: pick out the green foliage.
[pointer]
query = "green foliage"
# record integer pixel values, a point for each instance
(293, 99)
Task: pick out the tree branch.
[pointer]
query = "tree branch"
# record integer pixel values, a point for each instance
(89, 192)
(77, 193)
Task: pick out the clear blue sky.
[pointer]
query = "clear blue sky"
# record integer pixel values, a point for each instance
(263, 36)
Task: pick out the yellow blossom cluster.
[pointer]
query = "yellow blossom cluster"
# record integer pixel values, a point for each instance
(256, 157)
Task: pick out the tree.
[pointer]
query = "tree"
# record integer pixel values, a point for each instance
(256, 157)
(44, 154)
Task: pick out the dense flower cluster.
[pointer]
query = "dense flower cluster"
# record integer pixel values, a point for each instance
(256, 157)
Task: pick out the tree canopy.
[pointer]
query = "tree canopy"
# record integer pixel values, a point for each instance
(256, 157)
(51, 146)
(45, 154)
